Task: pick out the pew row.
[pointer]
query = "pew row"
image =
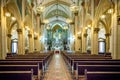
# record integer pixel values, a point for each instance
(16, 75)
(95, 68)
(35, 68)
(94, 62)
(102, 75)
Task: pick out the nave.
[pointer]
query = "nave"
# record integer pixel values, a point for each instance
(86, 32)
(58, 70)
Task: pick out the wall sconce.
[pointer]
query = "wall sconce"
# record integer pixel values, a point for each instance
(48, 27)
(103, 16)
(27, 28)
(110, 11)
(7, 14)
(13, 18)
(89, 26)
(65, 27)
(86, 28)
(79, 33)
(46, 21)
(68, 21)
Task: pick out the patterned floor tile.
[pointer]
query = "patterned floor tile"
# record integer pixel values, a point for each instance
(57, 69)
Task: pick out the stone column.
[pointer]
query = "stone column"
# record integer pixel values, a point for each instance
(77, 44)
(20, 42)
(115, 30)
(95, 40)
(84, 42)
(107, 42)
(31, 43)
(37, 41)
(9, 42)
(72, 34)
(80, 41)
(3, 37)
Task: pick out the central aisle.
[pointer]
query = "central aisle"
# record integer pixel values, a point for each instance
(57, 69)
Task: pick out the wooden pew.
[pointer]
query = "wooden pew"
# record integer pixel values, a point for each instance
(45, 57)
(70, 57)
(94, 62)
(16, 75)
(22, 68)
(102, 75)
(40, 63)
(81, 68)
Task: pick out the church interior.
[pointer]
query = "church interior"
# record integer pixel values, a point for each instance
(59, 40)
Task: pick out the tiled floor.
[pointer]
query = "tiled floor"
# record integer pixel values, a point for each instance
(57, 69)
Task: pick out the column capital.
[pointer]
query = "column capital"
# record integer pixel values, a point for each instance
(107, 34)
(19, 31)
(29, 35)
(85, 34)
(79, 37)
(76, 13)
(42, 23)
(38, 14)
(9, 35)
(118, 20)
(36, 38)
(96, 30)
(72, 23)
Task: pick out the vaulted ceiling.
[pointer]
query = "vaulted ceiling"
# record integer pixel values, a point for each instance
(56, 10)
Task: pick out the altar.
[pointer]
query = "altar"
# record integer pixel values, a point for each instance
(56, 51)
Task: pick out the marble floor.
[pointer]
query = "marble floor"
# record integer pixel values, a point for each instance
(57, 70)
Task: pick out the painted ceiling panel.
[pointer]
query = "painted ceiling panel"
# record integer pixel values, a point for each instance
(56, 13)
